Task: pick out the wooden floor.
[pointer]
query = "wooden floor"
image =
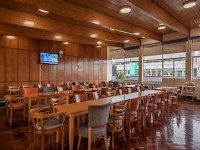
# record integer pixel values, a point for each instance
(175, 130)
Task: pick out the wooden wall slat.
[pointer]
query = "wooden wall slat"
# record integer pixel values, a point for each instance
(11, 43)
(23, 43)
(52, 73)
(44, 46)
(11, 65)
(2, 41)
(34, 66)
(2, 64)
(86, 69)
(68, 68)
(74, 69)
(23, 65)
(80, 69)
(44, 72)
(61, 69)
(34, 44)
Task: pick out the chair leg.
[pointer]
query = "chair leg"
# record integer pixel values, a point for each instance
(42, 141)
(113, 140)
(34, 139)
(79, 141)
(24, 114)
(57, 136)
(89, 138)
(124, 134)
(7, 114)
(11, 116)
(62, 138)
(105, 141)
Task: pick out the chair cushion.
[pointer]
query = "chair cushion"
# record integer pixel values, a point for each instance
(141, 107)
(49, 124)
(116, 120)
(151, 104)
(96, 132)
(17, 105)
(130, 112)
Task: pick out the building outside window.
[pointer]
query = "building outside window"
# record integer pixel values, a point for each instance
(196, 64)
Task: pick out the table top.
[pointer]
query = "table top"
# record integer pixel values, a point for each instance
(129, 86)
(166, 88)
(76, 108)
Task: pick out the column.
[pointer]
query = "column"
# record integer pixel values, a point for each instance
(188, 62)
(140, 75)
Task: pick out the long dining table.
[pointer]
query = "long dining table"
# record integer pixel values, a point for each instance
(76, 109)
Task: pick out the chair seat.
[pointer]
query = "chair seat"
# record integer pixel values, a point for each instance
(172, 96)
(39, 105)
(141, 107)
(16, 105)
(49, 124)
(114, 120)
(151, 104)
(96, 132)
(130, 112)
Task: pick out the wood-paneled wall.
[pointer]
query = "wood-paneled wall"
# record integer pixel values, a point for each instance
(19, 62)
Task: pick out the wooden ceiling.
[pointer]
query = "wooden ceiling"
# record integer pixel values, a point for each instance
(76, 20)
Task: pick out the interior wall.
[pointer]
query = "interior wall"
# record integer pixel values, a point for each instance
(19, 62)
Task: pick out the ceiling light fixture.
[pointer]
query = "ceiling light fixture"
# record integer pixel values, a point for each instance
(43, 11)
(199, 25)
(137, 33)
(112, 29)
(189, 3)
(161, 27)
(98, 46)
(126, 41)
(29, 23)
(10, 37)
(57, 37)
(65, 43)
(143, 37)
(125, 9)
(93, 35)
(96, 22)
(99, 42)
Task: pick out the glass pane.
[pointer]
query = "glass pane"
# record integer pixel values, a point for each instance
(196, 67)
(174, 55)
(153, 68)
(152, 57)
(168, 68)
(179, 67)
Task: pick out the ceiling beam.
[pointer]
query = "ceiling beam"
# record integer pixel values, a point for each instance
(73, 11)
(9, 29)
(18, 18)
(156, 12)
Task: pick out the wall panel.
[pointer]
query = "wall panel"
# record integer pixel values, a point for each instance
(2, 64)
(23, 43)
(74, 69)
(61, 69)
(34, 66)
(68, 68)
(23, 65)
(80, 69)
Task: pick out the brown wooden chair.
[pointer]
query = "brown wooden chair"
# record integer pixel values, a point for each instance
(161, 101)
(116, 120)
(80, 97)
(96, 95)
(175, 100)
(76, 87)
(14, 90)
(152, 107)
(50, 85)
(103, 91)
(110, 93)
(61, 99)
(78, 92)
(143, 109)
(123, 91)
(45, 122)
(30, 91)
(131, 114)
(27, 86)
(60, 88)
(20, 104)
(40, 102)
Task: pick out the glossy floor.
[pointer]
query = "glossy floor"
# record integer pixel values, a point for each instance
(174, 130)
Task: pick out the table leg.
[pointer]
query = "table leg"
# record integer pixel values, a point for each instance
(71, 132)
(29, 107)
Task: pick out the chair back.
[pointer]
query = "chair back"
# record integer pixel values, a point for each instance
(8, 100)
(164, 96)
(30, 91)
(95, 95)
(147, 100)
(27, 86)
(13, 87)
(91, 85)
(155, 98)
(123, 91)
(85, 83)
(104, 90)
(48, 89)
(80, 98)
(59, 88)
(134, 105)
(119, 109)
(129, 90)
(110, 93)
(78, 92)
(76, 87)
(102, 111)
(61, 99)
(77, 83)
(138, 89)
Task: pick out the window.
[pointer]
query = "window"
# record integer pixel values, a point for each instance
(196, 64)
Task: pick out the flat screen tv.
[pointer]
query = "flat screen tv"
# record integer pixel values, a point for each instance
(48, 58)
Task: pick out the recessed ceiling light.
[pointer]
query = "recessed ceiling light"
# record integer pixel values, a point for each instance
(126, 41)
(189, 3)
(125, 9)
(57, 37)
(137, 33)
(43, 11)
(161, 27)
(98, 46)
(93, 35)
(65, 43)
(96, 22)
(10, 37)
(143, 37)
(99, 42)
(199, 25)
(112, 29)
(29, 23)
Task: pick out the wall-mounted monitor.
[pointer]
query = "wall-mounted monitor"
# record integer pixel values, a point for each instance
(48, 58)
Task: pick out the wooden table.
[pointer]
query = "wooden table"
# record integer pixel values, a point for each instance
(129, 86)
(76, 109)
(166, 88)
(35, 95)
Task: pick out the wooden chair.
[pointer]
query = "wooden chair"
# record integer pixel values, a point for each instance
(20, 104)
(80, 97)
(27, 86)
(116, 120)
(152, 107)
(103, 91)
(161, 101)
(48, 89)
(40, 102)
(50, 85)
(60, 88)
(30, 91)
(96, 95)
(175, 100)
(96, 126)
(123, 91)
(76, 87)
(14, 90)
(131, 114)
(78, 92)
(110, 93)
(61, 99)
(45, 122)
(143, 110)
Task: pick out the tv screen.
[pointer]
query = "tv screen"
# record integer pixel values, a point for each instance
(48, 58)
